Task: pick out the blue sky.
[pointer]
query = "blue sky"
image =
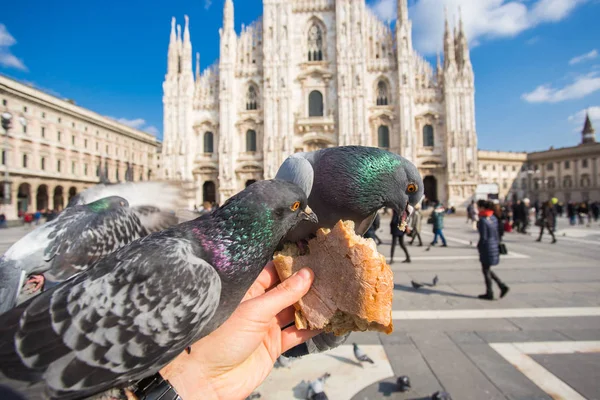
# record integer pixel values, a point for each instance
(537, 62)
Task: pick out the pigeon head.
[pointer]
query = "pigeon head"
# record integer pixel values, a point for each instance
(244, 232)
(108, 203)
(406, 189)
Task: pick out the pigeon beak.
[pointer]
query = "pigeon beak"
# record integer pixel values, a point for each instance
(309, 215)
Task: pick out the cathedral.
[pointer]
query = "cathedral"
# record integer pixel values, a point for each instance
(312, 74)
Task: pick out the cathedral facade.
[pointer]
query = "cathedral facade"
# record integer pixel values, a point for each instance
(313, 74)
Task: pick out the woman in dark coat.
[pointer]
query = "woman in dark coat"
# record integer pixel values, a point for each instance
(489, 254)
(397, 236)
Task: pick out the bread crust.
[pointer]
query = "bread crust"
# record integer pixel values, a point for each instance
(353, 286)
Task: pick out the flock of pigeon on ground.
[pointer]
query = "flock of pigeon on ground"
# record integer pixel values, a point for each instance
(120, 288)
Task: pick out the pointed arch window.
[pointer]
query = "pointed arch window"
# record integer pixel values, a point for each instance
(315, 104)
(252, 98)
(382, 94)
(383, 137)
(251, 140)
(428, 139)
(208, 142)
(315, 43)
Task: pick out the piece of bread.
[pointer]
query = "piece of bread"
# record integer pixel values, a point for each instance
(353, 285)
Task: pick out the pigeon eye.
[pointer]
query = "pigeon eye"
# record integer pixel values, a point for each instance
(412, 188)
(295, 206)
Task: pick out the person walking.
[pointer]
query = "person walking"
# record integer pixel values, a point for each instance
(488, 247)
(415, 222)
(583, 212)
(546, 221)
(397, 236)
(500, 217)
(437, 218)
(372, 231)
(572, 213)
(472, 214)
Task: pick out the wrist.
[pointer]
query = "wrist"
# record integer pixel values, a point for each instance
(189, 382)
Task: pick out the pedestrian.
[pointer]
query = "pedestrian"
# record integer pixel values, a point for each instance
(525, 210)
(546, 221)
(397, 236)
(372, 231)
(415, 223)
(37, 216)
(472, 214)
(437, 219)
(488, 247)
(51, 215)
(28, 219)
(583, 212)
(500, 217)
(595, 211)
(517, 210)
(572, 213)
(3, 224)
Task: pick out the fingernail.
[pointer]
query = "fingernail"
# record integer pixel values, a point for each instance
(303, 276)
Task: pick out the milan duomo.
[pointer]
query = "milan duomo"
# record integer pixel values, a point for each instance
(312, 74)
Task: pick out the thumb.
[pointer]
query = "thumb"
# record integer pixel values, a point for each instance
(286, 293)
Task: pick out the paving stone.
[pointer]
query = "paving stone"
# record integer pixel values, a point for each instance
(580, 371)
(456, 372)
(454, 325)
(364, 338)
(522, 336)
(530, 324)
(510, 381)
(581, 334)
(465, 337)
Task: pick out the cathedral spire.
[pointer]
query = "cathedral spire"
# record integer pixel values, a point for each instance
(588, 133)
(173, 52)
(462, 51)
(186, 32)
(228, 23)
(197, 66)
(449, 53)
(402, 11)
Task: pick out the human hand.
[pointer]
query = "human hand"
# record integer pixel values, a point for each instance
(233, 360)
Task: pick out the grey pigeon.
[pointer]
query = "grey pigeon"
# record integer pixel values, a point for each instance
(416, 285)
(360, 355)
(435, 281)
(283, 361)
(135, 310)
(254, 395)
(352, 183)
(316, 390)
(349, 183)
(403, 383)
(441, 396)
(69, 244)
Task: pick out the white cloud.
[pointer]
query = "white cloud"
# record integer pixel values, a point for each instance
(584, 57)
(533, 40)
(579, 117)
(152, 130)
(483, 19)
(138, 123)
(582, 86)
(7, 59)
(207, 4)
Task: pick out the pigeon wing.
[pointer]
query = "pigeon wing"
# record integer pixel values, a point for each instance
(153, 219)
(122, 320)
(88, 236)
(164, 195)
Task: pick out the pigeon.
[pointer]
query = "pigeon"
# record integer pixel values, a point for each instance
(416, 285)
(83, 233)
(360, 355)
(435, 281)
(352, 183)
(315, 388)
(283, 361)
(254, 395)
(349, 183)
(441, 396)
(403, 383)
(135, 310)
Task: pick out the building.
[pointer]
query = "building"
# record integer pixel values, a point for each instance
(56, 149)
(312, 74)
(504, 170)
(569, 173)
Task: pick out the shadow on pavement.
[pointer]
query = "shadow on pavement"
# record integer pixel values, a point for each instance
(428, 292)
(346, 360)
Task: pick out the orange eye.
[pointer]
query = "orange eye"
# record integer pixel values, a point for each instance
(412, 188)
(295, 206)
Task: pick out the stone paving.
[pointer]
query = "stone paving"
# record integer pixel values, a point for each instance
(540, 342)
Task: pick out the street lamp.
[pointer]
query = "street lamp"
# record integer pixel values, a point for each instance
(6, 124)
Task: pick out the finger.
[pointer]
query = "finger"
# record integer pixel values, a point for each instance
(286, 317)
(292, 337)
(283, 295)
(268, 277)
